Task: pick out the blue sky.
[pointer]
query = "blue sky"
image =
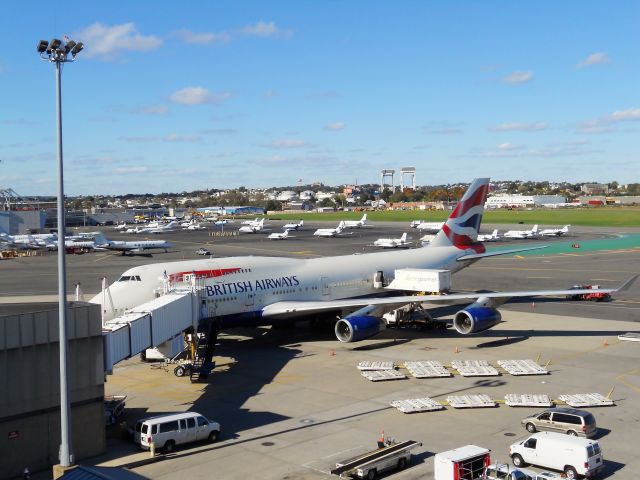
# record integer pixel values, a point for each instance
(174, 97)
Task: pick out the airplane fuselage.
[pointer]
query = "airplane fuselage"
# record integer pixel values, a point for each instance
(236, 289)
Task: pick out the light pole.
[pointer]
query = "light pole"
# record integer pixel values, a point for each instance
(59, 53)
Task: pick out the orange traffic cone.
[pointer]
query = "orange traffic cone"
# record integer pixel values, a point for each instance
(381, 439)
(605, 343)
(457, 350)
(533, 305)
(332, 354)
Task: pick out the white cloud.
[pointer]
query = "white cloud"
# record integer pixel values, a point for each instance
(630, 115)
(108, 42)
(598, 58)
(198, 96)
(130, 170)
(509, 147)
(152, 110)
(442, 128)
(519, 77)
(203, 38)
(174, 137)
(288, 143)
(265, 29)
(335, 126)
(608, 123)
(271, 94)
(519, 127)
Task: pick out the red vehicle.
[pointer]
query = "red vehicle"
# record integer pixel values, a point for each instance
(596, 296)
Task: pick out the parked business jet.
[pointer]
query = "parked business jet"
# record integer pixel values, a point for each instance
(522, 234)
(251, 222)
(293, 226)
(330, 232)
(491, 237)
(131, 248)
(253, 227)
(555, 232)
(392, 242)
(194, 226)
(279, 236)
(357, 223)
(433, 227)
(221, 222)
(250, 290)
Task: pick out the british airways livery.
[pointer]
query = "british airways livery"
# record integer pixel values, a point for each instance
(240, 291)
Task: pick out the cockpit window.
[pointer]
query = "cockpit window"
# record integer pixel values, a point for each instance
(130, 278)
(124, 278)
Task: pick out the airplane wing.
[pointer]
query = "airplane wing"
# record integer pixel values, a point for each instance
(280, 309)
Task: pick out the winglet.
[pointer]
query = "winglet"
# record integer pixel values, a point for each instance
(625, 286)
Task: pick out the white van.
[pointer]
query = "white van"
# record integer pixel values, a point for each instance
(575, 456)
(167, 431)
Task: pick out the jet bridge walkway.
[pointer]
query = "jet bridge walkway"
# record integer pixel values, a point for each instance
(160, 323)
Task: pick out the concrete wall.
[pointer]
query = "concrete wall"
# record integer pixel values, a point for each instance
(29, 386)
(21, 222)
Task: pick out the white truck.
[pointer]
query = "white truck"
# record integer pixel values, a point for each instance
(463, 463)
(369, 465)
(421, 280)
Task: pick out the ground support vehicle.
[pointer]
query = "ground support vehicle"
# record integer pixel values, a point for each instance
(167, 431)
(113, 408)
(463, 463)
(369, 465)
(596, 297)
(575, 456)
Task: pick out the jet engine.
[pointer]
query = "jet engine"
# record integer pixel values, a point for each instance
(358, 325)
(476, 318)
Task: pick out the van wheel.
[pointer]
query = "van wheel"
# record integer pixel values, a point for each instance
(517, 460)
(179, 371)
(213, 436)
(372, 474)
(169, 446)
(570, 472)
(572, 433)
(402, 463)
(531, 428)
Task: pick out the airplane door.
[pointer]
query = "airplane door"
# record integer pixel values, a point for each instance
(250, 299)
(325, 285)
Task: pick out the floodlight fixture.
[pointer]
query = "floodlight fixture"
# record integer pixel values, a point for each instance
(77, 48)
(55, 43)
(42, 46)
(69, 45)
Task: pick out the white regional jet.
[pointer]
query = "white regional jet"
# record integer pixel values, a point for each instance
(356, 223)
(522, 234)
(279, 236)
(251, 290)
(29, 241)
(491, 237)
(433, 227)
(293, 226)
(392, 242)
(253, 227)
(555, 232)
(330, 232)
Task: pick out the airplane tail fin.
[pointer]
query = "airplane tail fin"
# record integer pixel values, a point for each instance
(461, 228)
(100, 239)
(301, 223)
(534, 229)
(364, 218)
(565, 229)
(403, 238)
(494, 234)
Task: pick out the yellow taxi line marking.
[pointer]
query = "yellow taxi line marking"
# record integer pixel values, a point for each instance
(620, 378)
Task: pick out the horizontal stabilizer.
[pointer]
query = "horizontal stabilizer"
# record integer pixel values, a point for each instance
(472, 256)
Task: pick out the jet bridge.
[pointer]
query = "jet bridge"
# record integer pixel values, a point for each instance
(156, 323)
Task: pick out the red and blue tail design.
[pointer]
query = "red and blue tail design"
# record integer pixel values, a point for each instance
(461, 229)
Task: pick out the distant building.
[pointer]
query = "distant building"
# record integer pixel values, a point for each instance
(595, 188)
(416, 206)
(287, 196)
(504, 201)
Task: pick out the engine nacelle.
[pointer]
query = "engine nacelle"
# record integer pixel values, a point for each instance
(354, 328)
(475, 319)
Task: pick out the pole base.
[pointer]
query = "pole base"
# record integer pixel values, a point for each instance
(59, 470)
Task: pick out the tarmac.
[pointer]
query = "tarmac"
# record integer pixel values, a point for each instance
(292, 403)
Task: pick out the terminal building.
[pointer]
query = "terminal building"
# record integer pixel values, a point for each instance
(505, 201)
(29, 385)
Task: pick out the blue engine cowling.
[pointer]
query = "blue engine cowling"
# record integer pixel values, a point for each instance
(354, 328)
(475, 319)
